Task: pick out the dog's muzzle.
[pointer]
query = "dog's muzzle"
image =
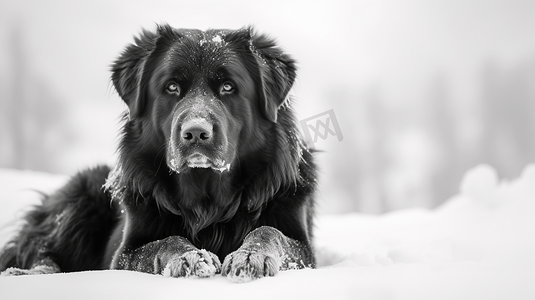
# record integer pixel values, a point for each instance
(196, 144)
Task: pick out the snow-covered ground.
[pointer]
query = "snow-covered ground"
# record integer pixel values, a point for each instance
(479, 244)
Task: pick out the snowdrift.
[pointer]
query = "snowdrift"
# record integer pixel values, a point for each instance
(479, 244)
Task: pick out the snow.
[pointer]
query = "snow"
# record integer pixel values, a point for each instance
(477, 245)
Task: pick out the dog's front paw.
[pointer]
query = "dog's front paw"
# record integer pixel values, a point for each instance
(194, 263)
(245, 265)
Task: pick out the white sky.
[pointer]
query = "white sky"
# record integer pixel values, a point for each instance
(357, 43)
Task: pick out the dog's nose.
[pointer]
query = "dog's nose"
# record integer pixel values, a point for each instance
(196, 131)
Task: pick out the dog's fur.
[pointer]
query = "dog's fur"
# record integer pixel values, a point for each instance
(211, 168)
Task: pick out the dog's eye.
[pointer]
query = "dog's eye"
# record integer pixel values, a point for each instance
(173, 88)
(227, 88)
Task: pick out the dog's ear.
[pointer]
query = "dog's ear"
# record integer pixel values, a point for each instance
(129, 68)
(277, 72)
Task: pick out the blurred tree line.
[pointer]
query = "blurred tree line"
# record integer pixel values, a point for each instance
(32, 115)
(396, 156)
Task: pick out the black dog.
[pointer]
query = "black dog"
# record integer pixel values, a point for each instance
(211, 168)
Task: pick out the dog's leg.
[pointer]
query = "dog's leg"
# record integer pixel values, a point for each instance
(264, 252)
(65, 232)
(43, 266)
(173, 256)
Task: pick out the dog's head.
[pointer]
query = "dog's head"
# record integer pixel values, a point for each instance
(204, 96)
